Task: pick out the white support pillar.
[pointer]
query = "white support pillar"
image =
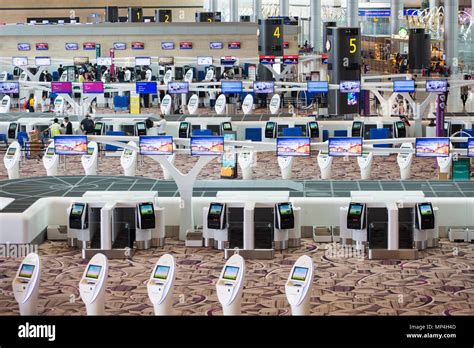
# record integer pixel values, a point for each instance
(257, 10)
(451, 33)
(284, 8)
(234, 10)
(316, 25)
(210, 5)
(434, 3)
(352, 13)
(396, 13)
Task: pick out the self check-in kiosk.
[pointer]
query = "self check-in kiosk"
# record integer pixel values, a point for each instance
(26, 284)
(59, 105)
(275, 104)
(325, 165)
(99, 128)
(270, 130)
(404, 161)
(356, 221)
(299, 285)
(225, 127)
(216, 234)
(12, 160)
(5, 104)
(425, 234)
(230, 285)
(78, 231)
(129, 160)
(247, 104)
(160, 285)
(93, 283)
(51, 160)
(357, 129)
(365, 164)
(140, 129)
(286, 165)
(13, 129)
(3, 76)
(146, 222)
(216, 218)
(285, 218)
(246, 162)
(184, 130)
(313, 129)
(399, 129)
(91, 160)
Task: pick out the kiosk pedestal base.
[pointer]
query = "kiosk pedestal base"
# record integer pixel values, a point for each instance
(233, 309)
(165, 308)
(96, 308)
(30, 307)
(143, 244)
(157, 242)
(209, 242)
(281, 244)
(303, 309)
(294, 242)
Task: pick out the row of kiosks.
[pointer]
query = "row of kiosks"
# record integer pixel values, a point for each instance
(362, 227)
(216, 229)
(160, 286)
(359, 129)
(12, 159)
(186, 128)
(310, 129)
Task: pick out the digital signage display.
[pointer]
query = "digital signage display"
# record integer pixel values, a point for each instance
(72, 46)
(437, 86)
(207, 146)
(146, 88)
(470, 147)
(23, 46)
(70, 145)
(404, 86)
(42, 46)
(167, 45)
(178, 88)
(9, 88)
(186, 45)
(233, 45)
(120, 46)
(142, 61)
(88, 46)
(96, 87)
(164, 61)
(432, 147)
(349, 87)
(318, 87)
(296, 147)
(228, 61)
(229, 87)
(19, 61)
(262, 87)
(42, 61)
(340, 147)
(156, 145)
(290, 60)
(216, 46)
(267, 60)
(61, 87)
(138, 45)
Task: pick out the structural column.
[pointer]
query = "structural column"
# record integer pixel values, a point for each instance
(210, 5)
(234, 10)
(396, 13)
(284, 8)
(434, 3)
(316, 25)
(451, 33)
(257, 10)
(352, 13)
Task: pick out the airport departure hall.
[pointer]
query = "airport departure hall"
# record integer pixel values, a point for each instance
(238, 158)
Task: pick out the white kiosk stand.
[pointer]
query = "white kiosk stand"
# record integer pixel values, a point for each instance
(26, 284)
(92, 285)
(59, 105)
(128, 160)
(51, 161)
(12, 160)
(247, 104)
(286, 164)
(404, 161)
(160, 285)
(209, 75)
(193, 104)
(275, 103)
(365, 165)
(221, 103)
(299, 284)
(325, 165)
(246, 162)
(444, 163)
(166, 103)
(5, 105)
(90, 161)
(3, 76)
(230, 285)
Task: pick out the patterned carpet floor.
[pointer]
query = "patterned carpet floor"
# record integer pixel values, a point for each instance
(438, 284)
(383, 168)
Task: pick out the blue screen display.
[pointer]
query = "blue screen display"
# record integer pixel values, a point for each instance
(318, 87)
(146, 87)
(231, 87)
(404, 86)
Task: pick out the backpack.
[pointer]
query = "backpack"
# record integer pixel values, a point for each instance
(88, 125)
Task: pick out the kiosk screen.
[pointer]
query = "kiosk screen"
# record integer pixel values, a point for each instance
(470, 148)
(90, 151)
(299, 274)
(98, 126)
(77, 209)
(127, 152)
(26, 271)
(146, 209)
(426, 210)
(141, 126)
(230, 273)
(161, 272)
(50, 151)
(355, 210)
(93, 271)
(11, 151)
(216, 209)
(227, 126)
(285, 209)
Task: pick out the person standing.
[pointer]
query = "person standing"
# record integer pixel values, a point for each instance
(55, 128)
(31, 103)
(162, 125)
(464, 94)
(67, 125)
(87, 125)
(60, 71)
(127, 75)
